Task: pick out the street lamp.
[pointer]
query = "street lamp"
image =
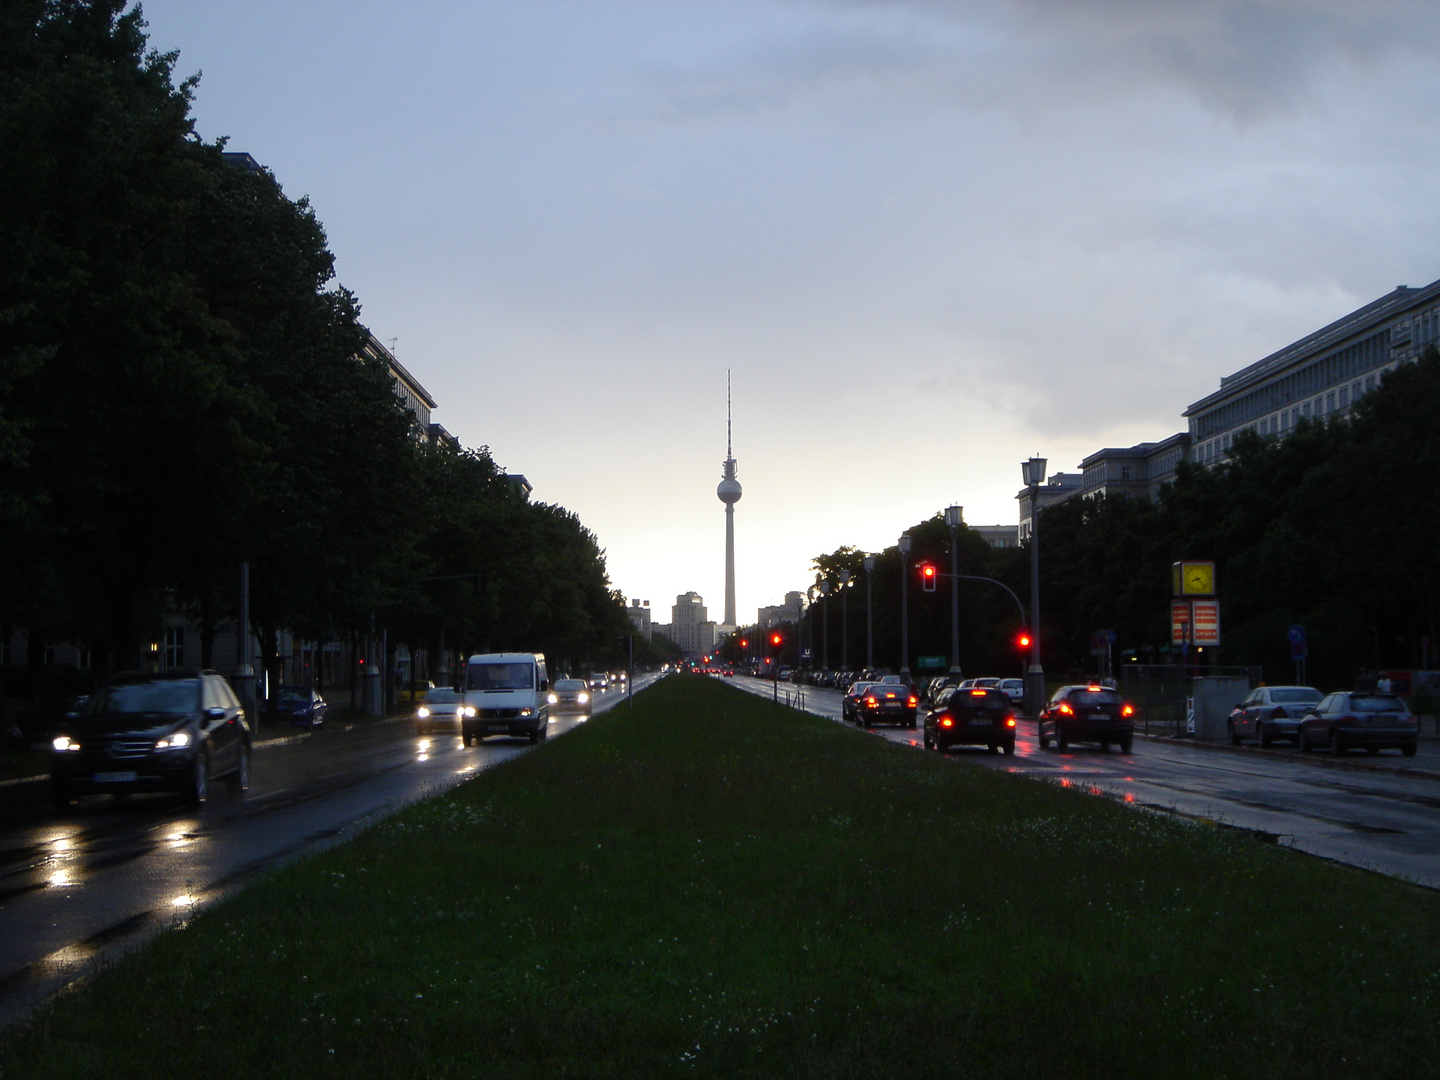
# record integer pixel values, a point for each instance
(1033, 472)
(825, 618)
(869, 621)
(905, 604)
(844, 620)
(954, 518)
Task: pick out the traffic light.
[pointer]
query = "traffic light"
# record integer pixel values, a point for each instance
(1022, 640)
(776, 640)
(928, 576)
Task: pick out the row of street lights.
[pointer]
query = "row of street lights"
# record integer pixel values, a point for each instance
(1033, 472)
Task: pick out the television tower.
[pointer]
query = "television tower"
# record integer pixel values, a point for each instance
(729, 493)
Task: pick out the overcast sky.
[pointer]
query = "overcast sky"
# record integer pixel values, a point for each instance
(928, 239)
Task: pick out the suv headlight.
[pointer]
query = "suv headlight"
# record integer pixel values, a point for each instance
(64, 742)
(176, 741)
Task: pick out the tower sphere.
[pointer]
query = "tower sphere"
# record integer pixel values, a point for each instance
(729, 491)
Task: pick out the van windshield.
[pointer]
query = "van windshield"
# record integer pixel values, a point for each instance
(519, 676)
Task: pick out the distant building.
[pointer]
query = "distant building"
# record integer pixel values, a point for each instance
(997, 536)
(788, 612)
(689, 626)
(1056, 489)
(519, 485)
(1321, 375)
(1135, 470)
(639, 613)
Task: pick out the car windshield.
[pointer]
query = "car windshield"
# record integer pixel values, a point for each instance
(293, 695)
(518, 676)
(1376, 703)
(442, 697)
(569, 684)
(154, 696)
(1300, 695)
(1089, 696)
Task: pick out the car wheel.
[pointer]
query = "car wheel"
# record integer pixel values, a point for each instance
(993, 748)
(1044, 741)
(912, 725)
(1262, 736)
(1234, 735)
(1125, 744)
(1062, 739)
(1302, 743)
(534, 736)
(1336, 746)
(929, 742)
(1372, 750)
(1104, 746)
(197, 784)
(1408, 751)
(1009, 747)
(239, 780)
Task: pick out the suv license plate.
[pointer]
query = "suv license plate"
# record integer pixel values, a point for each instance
(115, 777)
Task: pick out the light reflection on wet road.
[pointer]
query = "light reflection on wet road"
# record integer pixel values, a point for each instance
(1379, 813)
(78, 888)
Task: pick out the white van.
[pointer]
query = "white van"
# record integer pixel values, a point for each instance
(509, 695)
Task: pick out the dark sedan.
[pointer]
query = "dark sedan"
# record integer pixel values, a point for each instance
(850, 703)
(1372, 722)
(978, 716)
(1089, 713)
(301, 706)
(146, 732)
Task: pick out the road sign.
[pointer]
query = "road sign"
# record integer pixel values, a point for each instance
(930, 661)
(1296, 634)
(1179, 622)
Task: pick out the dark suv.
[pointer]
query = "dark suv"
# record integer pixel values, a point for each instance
(974, 716)
(142, 732)
(1090, 713)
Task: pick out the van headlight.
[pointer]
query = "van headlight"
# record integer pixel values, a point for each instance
(552, 699)
(527, 712)
(468, 710)
(422, 712)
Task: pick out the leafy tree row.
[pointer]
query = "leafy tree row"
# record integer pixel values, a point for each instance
(184, 388)
(1335, 527)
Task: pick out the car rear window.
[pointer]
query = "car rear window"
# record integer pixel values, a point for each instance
(1376, 703)
(1086, 697)
(1297, 695)
(980, 696)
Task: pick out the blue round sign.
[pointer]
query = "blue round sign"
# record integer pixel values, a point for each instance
(1296, 634)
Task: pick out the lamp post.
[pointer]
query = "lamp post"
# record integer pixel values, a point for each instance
(1033, 472)
(869, 621)
(954, 518)
(905, 604)
(844, 620)
(825, 618)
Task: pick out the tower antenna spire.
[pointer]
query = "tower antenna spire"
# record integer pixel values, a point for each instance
(728, 452)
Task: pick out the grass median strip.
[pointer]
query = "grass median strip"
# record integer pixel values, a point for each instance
(713, 885)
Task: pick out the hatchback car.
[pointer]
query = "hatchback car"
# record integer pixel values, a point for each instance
(570, 695)
(1270, 713)
(979, 716)
(1348, 721)
(887, 703)
(149, 732)
(850, 703)
(1089, 713)
(1014, 689)
(442, 710)
(301, 706)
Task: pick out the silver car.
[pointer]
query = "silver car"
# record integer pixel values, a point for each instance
(442, 710)
(1270, 713)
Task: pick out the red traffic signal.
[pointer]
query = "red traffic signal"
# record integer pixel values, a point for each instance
(776, 639)
(1022, 639)
(928, 576)
(744, 644)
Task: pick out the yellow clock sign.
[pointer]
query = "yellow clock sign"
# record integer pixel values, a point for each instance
(1194, 578)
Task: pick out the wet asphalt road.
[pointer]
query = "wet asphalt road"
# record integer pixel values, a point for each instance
(1379, 813)
(77, 890)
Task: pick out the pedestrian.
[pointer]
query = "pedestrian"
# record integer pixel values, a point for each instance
(1384, 684)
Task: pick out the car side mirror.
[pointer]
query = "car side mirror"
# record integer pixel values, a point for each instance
(544, 684)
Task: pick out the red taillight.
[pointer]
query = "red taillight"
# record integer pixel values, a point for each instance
(1009, 721)
(978, 692)
(870, 703)
(1128, 710)
(946, 722)
(1065, 708)
(913, 702)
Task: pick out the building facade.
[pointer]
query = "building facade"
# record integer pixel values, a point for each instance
(639, 612)
(1319, 376)
(690, 628)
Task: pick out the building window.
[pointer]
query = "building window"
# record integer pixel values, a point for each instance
(1344, 397)
(1330, 402)
(174, 647)
(1124, 472)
